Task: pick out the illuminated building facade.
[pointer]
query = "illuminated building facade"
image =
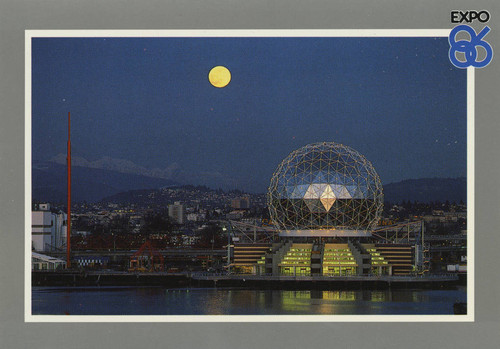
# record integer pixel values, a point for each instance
(325, 200)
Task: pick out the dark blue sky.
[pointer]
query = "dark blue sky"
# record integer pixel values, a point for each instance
(398, 101)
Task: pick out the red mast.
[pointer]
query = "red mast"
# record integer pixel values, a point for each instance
(68, 230)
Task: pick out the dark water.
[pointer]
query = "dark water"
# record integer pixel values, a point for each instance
(231, 301)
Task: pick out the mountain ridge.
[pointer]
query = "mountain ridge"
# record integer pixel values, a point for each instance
(88, 184)
(427, 190)
(96, 184)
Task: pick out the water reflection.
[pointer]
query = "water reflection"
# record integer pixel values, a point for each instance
(213, 301)
(335, 302)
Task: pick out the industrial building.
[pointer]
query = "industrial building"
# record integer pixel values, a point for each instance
(48, 229)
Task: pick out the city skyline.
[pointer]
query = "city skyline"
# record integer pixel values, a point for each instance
(148, 101)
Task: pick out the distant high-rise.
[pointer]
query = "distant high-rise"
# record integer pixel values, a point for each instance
(240, 203)
(177, 212)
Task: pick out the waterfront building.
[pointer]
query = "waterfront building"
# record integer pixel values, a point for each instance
(325, 189)
(43, 262)
(325, 201)
(48, 229)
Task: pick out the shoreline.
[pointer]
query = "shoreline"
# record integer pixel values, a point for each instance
(179, 280)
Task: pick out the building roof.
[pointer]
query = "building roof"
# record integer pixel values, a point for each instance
(46, 258)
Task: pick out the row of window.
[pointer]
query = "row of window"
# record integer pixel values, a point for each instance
(339, 271)
(330, 271)
(296, 263)
(380, 262)
(47, 266)
(339, 262)
(301, 271)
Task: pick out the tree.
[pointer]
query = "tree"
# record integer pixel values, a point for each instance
(212, 234)
(119, 225)
(156, 223)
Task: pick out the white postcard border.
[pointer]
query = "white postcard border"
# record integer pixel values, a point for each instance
(29, 317)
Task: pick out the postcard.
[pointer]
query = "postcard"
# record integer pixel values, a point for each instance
(251, 175)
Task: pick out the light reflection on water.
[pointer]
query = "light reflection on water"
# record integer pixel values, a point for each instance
(233, 301)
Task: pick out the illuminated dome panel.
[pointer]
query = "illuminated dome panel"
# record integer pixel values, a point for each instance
(325, 189)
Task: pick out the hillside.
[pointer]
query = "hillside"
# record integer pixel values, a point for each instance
(94, 184)
(88, 184)
(427, 190)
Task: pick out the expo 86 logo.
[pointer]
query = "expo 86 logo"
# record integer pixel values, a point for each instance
(469, 48)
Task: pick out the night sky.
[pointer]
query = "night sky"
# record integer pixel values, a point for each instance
(398, 101)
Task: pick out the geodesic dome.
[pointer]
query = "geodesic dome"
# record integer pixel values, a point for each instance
(325, 186)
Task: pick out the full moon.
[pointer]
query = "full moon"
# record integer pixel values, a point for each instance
(219, 76)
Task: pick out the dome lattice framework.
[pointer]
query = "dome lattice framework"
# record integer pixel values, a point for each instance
(325, 186)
